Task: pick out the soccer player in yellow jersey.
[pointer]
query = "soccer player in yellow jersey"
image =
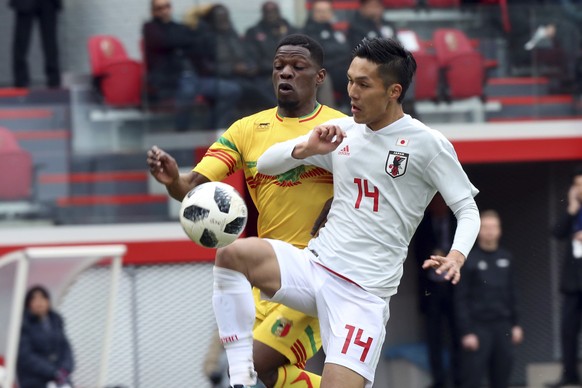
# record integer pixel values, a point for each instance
(288, 204)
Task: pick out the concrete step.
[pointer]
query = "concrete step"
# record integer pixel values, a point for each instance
(533, 106)
(540, 373)
(516, 86)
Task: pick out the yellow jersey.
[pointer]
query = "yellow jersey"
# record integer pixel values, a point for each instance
(288, 204)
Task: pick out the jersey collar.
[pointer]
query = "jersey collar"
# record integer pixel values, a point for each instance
(307, 117)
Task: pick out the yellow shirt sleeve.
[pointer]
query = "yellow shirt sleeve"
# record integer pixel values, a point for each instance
(224, 157)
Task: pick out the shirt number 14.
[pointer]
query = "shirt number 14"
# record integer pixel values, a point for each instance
(364, 191)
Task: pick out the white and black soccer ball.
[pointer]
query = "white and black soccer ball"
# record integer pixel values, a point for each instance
(213, 214)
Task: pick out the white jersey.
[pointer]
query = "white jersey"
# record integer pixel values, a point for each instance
(383, 182)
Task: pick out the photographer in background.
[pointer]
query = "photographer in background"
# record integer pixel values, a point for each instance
(569, 228)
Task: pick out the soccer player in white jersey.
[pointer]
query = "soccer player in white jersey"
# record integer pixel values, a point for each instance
(387, 166)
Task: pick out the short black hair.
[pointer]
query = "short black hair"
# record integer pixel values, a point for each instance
(395, 63)
(33, 290)
(315, 49)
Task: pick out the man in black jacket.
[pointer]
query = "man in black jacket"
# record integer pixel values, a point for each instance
(176, 71)
(485, 306)
(46, 12)
(264, 37)
(320, 27)
(229, 58)
(369, 22)
(569, 228)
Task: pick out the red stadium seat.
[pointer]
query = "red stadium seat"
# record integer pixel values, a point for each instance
(463, 66)
(400, 3)
(118, 77)
(16, 169)
(443, 3)
(427, 72)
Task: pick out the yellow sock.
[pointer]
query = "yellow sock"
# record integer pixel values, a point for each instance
(291, 376)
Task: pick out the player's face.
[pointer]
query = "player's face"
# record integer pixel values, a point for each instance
(39, 305)
(162, 9)
(369, 95)
(295, 76)
(322, 11)
(490, 231)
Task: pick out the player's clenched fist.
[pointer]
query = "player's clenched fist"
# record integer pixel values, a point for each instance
(323, 140)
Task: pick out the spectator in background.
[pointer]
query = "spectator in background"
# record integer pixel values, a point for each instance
(264, 37)
(44, 354)
(46, 12)
(175, 71)
(486, 309)
(569, 228)
(228, 57)
(434, 236)
(320, 27)
(369, 23)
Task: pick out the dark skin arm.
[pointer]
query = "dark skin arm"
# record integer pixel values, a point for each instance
(164, 168)
(322, 218)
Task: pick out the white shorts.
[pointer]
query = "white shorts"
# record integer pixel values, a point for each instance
(352, 320)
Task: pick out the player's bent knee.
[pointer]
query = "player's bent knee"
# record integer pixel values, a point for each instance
(235, 256)
(227, 257)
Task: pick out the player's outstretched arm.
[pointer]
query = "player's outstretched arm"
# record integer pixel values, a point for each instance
(164, 168)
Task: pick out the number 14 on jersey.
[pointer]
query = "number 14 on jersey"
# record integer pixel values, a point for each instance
(365, 189)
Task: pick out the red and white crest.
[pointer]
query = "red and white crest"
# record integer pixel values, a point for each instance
(396, 163)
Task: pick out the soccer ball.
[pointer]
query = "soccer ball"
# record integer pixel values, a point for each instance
(213, 214)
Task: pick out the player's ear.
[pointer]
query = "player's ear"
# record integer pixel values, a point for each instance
(320, 78)
(394, 91)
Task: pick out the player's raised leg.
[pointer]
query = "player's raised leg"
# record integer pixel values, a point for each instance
(246, 262)
(284, 340)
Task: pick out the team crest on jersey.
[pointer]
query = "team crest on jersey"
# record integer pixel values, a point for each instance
(262, 126)
(396, 163)
(282, 327)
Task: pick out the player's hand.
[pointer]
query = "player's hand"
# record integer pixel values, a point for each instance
(323, 140)
(470, 342)
(449, 266)
(162, 166)
(573, 200)
(322, 218)
(516, 335)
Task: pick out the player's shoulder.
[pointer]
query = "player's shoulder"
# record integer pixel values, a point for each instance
(345, 122)
(257, 121)
(331, 113)
(266, 115)
(428, 134)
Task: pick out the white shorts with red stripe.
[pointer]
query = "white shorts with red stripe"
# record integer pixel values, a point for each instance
(352, 320)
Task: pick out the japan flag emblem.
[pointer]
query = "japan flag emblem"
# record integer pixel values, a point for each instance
(396, 163)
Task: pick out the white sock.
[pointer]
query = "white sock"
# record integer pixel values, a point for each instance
(234, 309)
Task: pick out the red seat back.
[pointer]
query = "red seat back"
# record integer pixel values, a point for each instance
(465, 76)
(104, 50)
(427, 76)
(16, 169)
(450, 42)
(120, 77)
(463, 65)
(399, 3)
(443, 3)
(122, 84)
